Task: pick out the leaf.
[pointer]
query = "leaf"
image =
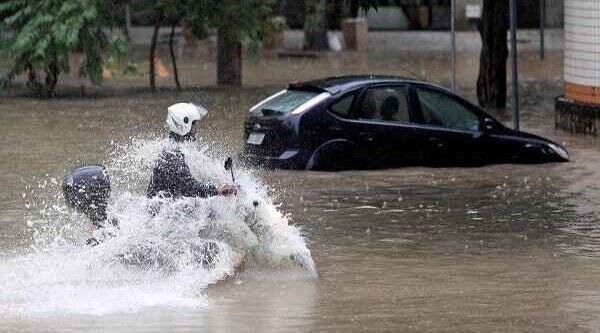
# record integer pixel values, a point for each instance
(48, 31)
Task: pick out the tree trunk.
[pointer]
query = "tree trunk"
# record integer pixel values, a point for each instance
(51, 80)
(229, 58)
(354, 8)
(153, 54)
(173, 59)
(491, 83)
(32, 81)
(315, 25)
(52, 71)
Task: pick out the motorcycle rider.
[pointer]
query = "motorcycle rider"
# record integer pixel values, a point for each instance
(171, 176)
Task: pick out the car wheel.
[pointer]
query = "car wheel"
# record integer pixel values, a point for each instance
(331, 157)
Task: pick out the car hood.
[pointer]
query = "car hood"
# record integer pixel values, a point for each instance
(535, 137)
(556, 148)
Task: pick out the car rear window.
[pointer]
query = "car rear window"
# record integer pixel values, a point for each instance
(283, 104)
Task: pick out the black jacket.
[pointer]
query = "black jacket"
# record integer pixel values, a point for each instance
(171, 177)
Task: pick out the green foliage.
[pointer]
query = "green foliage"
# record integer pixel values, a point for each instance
(272, 31)
(45, 32)
(131, 69)
(236, 22)
(248, 19)
(168, 12)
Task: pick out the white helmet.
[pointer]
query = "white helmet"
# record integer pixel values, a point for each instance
(180, 117)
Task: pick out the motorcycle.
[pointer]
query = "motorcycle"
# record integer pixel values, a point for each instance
(87, 190)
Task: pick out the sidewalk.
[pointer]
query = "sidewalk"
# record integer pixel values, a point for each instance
(434, 41)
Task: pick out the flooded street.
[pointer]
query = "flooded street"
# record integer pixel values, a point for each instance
(506, 248)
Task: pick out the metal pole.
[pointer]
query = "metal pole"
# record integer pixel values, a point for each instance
(453, 45)
(515, 73)
(542, 27)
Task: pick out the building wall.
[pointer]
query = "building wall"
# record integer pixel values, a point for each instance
(582, 51)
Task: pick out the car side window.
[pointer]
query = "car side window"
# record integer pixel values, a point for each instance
(442, 110)
(385, 103)
(343, 106)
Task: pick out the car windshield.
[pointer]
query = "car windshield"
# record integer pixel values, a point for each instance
(283, 103)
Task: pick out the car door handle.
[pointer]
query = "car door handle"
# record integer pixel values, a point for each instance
(336, 129)
(367, 136)
(436, 141)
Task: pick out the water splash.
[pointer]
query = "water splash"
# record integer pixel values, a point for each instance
(164, 252)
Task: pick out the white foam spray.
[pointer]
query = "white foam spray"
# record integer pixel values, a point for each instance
(167, 258)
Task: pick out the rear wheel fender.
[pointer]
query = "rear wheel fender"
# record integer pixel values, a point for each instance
(332, 155)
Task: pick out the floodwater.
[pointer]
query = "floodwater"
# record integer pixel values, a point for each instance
(498, 248)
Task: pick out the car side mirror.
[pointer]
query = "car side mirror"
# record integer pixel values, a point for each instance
(489, 125)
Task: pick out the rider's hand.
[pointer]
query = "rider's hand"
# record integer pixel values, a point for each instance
(228, 190)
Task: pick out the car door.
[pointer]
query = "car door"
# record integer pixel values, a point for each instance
(383, 132)
(450, 130)
(336, 131)
(342, 126)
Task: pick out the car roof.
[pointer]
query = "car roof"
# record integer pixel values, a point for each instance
(337, 84)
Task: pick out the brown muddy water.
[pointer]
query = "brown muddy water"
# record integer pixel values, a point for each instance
(499, 248)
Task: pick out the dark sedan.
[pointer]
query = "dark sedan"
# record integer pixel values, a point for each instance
(359, 122)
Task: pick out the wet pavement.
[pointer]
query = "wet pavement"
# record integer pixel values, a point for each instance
(498, 248)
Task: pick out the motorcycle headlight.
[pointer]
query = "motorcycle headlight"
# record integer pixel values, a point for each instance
(559, 151)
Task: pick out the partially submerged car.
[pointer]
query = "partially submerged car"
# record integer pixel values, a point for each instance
(358, 122)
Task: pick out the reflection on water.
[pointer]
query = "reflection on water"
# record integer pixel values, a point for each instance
(581, 194)
(438, 211)
(498, 248)
(268, 301)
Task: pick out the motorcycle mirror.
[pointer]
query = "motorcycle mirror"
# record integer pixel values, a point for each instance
(228, 163)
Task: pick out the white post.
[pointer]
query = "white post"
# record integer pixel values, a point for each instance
(453, 45)
(542, 28)
(515, 67)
